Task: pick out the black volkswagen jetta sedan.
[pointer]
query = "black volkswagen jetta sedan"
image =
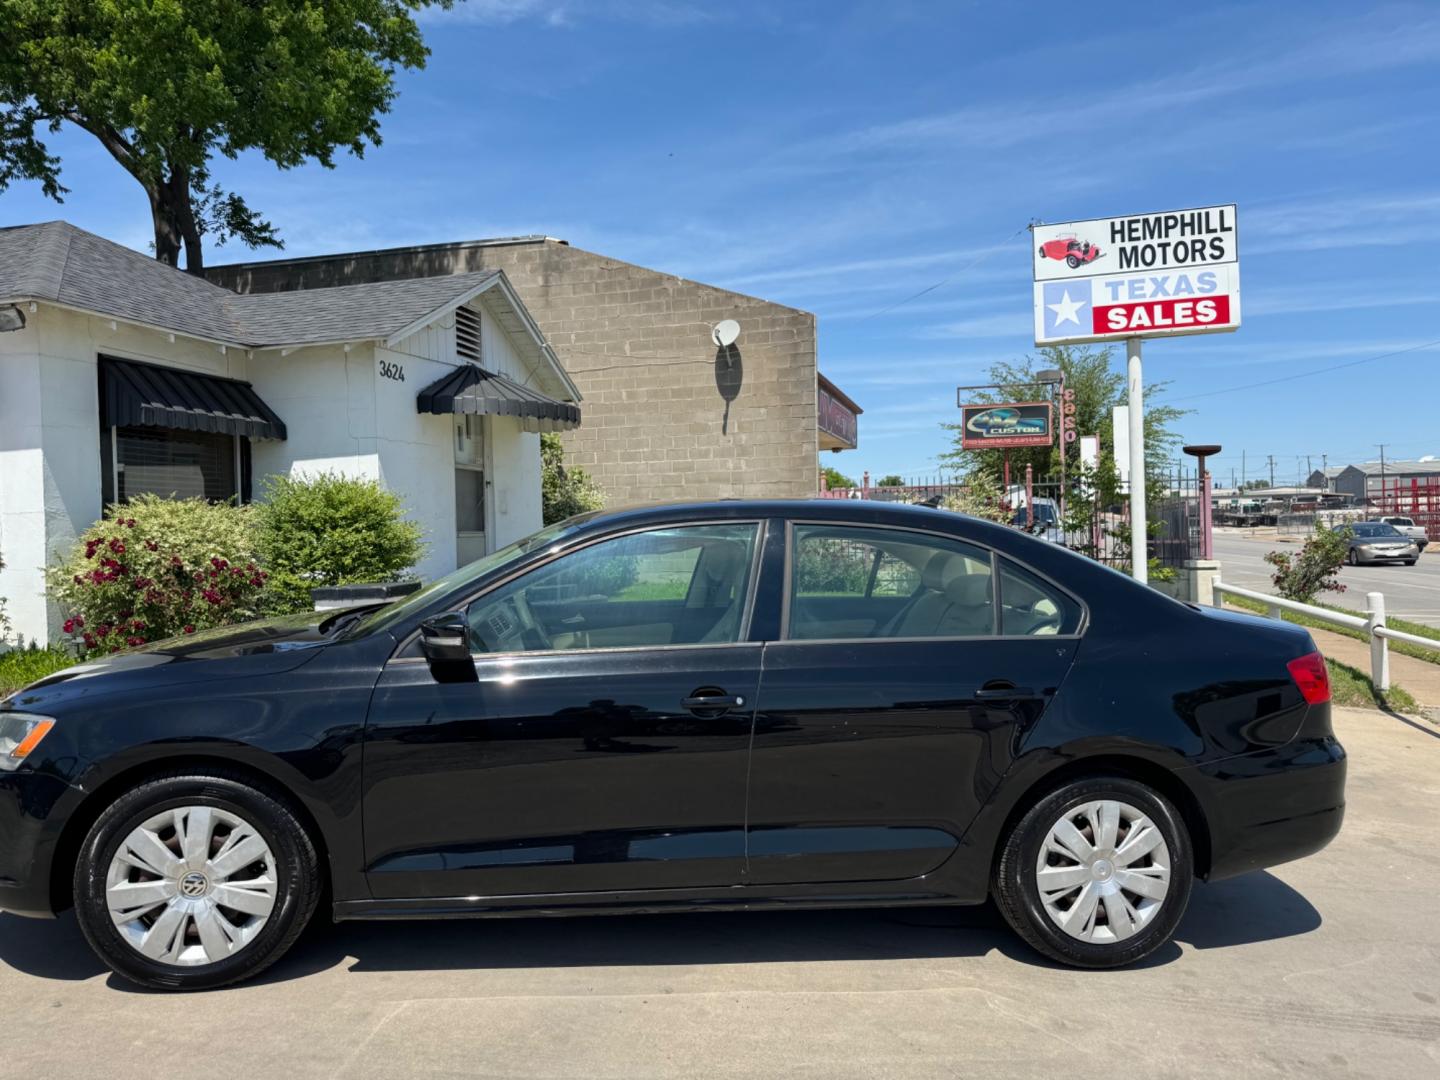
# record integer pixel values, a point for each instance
(675, 708)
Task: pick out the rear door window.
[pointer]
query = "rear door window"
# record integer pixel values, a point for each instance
(848, 582)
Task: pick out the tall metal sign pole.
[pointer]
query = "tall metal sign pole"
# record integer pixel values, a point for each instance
(1125, 279)
(1139, 527)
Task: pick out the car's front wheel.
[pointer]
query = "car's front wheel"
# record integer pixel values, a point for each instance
(195, 880)
(1097, 873)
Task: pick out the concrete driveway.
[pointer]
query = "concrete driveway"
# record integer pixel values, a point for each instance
(1325, 967)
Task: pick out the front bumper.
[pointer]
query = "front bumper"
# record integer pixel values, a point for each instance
(1273, 806)
(32, 808)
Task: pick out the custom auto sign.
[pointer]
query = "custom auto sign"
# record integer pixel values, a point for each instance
(987, 427)
(1150, 275)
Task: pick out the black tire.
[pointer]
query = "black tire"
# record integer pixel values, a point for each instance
(1411, 562)
(1018, 897)
(297, 877)
(1352, 558)
(1071, 261)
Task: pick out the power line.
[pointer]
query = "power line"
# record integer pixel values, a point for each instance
(985, 254)
(1309, 374)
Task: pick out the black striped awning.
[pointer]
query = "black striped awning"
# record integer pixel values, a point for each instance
(472, 389)
(148, 395)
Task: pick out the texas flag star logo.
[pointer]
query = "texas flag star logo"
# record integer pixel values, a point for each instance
(1065, 307)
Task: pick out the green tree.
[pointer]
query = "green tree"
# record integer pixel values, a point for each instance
(165, 85)
(564, 492)
(331, 530)
(835, 480)
(1099, 386)
(890, 480)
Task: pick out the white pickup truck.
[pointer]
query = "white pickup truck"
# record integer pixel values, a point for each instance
(1408, 527)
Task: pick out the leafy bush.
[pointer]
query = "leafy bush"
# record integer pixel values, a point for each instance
(980, 497)
(331, 530)
(1300, 575)
(835, 480)
(154, 568)
(21, 667)
(4, 619)
(890, 480)
(564, 492)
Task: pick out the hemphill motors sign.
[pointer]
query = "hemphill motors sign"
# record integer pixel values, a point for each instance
(1149, 275)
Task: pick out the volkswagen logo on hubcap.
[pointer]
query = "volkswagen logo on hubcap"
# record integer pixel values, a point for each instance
(194, 884)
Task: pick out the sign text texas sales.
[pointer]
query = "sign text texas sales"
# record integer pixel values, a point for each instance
(1148, 275)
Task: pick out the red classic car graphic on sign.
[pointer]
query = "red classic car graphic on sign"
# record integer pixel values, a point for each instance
(1074, 251)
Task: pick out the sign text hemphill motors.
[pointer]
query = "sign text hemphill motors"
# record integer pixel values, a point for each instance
(1146, 275)
(988, 427)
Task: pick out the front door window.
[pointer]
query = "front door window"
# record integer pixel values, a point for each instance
(680, 586)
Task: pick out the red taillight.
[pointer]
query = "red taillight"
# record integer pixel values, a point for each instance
(1311, 677)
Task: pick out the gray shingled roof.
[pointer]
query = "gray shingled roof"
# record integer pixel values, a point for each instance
(57, 262)
(1396, 468)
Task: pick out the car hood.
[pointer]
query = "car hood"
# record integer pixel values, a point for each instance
(262, 647)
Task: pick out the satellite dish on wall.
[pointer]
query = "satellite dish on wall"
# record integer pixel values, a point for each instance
(725, 333)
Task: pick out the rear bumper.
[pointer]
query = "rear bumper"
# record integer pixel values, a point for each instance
(1273, 806)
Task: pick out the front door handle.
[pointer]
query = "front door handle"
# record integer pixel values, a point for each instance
(712, 703)
(1004, 693)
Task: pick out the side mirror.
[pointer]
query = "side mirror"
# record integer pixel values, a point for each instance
(445, 638)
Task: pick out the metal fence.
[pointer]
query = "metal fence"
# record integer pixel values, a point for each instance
(1416, 499)
(1083, 520)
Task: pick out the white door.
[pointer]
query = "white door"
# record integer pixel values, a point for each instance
(472, 490)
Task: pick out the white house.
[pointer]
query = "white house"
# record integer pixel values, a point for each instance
(120, 375)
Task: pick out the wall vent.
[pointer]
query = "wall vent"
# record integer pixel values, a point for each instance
(467, 333)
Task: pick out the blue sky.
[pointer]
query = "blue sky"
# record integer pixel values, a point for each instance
(842, 157)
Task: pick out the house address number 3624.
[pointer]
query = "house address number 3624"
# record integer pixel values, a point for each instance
(392, 371)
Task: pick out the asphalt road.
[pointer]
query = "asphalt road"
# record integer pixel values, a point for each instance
(1411, 592)
(1327, 967)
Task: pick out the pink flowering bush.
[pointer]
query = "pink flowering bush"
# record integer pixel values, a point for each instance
(155, 568)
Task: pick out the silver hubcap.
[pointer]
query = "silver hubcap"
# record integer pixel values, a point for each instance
(1103, 871)
(191, 886)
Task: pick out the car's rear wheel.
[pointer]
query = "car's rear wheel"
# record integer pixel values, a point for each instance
(195, 880)
(1072, 261)
(1096, 874)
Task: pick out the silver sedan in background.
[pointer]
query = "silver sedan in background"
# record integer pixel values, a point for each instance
(1377, 542)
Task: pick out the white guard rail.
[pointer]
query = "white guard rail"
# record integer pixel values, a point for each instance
(1372, 623)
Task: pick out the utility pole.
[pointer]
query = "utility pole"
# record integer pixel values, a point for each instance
(1309, 468)
(1382, 468)
(1270, 460)
(1243, 478)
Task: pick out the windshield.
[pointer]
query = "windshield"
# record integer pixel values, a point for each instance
(1372, 531)
(391, 614)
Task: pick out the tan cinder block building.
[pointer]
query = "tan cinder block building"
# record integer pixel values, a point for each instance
(668, 413)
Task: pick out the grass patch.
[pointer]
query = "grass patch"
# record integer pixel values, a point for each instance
(21, 667)
(1404, 625)
(1350, 686)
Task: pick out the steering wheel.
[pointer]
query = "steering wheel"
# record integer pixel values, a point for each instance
(528, 619)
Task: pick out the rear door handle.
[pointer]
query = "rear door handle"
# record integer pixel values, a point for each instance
(713, 701)
(1004, 693)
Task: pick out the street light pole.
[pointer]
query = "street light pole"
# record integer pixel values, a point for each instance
(1139, 533)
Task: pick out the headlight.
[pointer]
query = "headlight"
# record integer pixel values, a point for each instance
(20, 733)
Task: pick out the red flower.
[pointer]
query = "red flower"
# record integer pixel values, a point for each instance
(89, 641)
(189, 629)
(79, 620)
(199, 576)
(151, 545)
(134, 641)
(256, 581)
(114, 648)
(125, 615)
(214, 573)
(129, 523)
(138, 625)
(175, 560)
(218, 563)
(118, 546)
(102, 629)
(78, 580)
(69, 626)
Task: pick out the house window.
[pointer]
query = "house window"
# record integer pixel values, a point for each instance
(173, 464)
(469, 488)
